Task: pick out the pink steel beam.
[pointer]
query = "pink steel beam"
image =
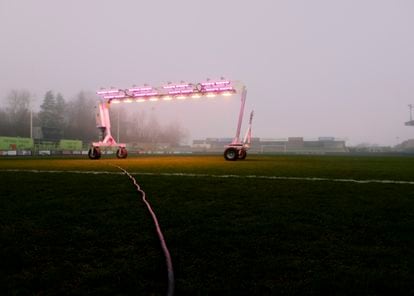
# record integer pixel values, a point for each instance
(236, 139)
(248, 136)
(165, 93)
(209, 88)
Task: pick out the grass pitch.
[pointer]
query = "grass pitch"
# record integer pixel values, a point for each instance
(70, 233)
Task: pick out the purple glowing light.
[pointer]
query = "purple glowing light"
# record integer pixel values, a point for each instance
(114, 97)
(139, 89)
(147, 94)
(212, 89)
(224, 82)
(173, 86)
(184, 91)
(168, 92)
(226, 88)
(107, 91)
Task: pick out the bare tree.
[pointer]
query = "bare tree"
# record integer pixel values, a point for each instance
(138, 131)
(4, 123)
(81, 118)
(146, 128)
(17, 114)
(120, 124)
(173, 134)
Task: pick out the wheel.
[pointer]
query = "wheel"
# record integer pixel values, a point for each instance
(242, 154)
(121, 152)
(94, 153)
(231, 154)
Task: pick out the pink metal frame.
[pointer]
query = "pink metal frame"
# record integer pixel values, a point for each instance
(237, 143)
(166, 92)
(103, 123)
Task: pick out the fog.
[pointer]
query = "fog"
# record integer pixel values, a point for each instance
(341, 68)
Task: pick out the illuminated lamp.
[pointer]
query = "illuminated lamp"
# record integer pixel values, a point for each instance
(145, 94)
(212, 89)
(173, 86)
(215, 83)
(174, 92)
(139, 89)
(225, 88)
(225, 82)
(114, 97)
(107, 91)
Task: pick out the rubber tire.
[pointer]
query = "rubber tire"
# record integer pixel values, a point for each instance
(94, 153)
(231, 154)
(121, 153)
(242, 154)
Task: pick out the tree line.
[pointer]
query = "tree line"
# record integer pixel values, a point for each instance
(57, 118)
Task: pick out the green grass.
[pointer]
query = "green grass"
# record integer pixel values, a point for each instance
(90, 234)
(391, 167)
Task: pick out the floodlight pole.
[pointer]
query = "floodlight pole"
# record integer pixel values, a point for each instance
(31, 123)
(117, 127)
(411, 122)
(248, 136)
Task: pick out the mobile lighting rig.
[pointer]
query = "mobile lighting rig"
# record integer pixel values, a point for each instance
(237, 149)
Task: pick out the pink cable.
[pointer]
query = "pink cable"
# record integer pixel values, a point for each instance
(170, 270)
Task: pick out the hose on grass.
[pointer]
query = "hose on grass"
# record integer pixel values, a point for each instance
(170, 291)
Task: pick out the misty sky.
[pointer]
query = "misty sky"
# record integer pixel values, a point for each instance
(342, 68)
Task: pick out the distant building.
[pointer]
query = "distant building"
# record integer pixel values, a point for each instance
(291, 145)
(406, 146)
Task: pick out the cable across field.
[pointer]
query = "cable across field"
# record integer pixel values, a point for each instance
(164, 247)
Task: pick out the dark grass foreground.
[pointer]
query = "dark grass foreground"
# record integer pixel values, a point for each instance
(72, 234)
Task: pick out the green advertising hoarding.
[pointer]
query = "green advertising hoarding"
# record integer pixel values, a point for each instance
(11, 143)
(70, 145)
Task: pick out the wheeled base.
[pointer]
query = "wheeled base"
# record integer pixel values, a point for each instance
(95, 152)
(235, 152)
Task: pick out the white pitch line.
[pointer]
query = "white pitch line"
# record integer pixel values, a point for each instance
(311, 179)
(58, 171)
